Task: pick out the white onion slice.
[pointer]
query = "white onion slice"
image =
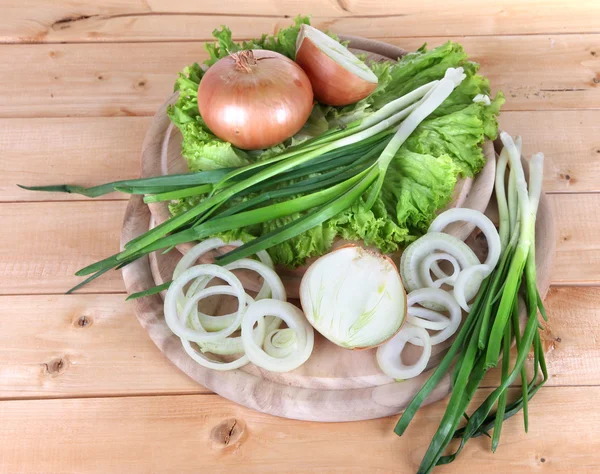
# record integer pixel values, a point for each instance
(295, 320)
(475, 273)
(389, 354)
(441, 298)
(200, 358)
(416, 252)
(430, 264)
(272, 284)
(427, 318)
(280, 343)
(174, 292)
(480, 220)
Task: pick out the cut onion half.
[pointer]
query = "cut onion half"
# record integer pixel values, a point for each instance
(337, 76)
(354, 297)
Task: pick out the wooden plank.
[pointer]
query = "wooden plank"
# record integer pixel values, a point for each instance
(551, 73)
(84, 151)
(90, 151)
(138, 20)
(570, 142)
(577, 258)
(180, 433)
(50, 241)
(92, 345)
(79, 345)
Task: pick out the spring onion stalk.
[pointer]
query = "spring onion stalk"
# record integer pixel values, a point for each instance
(179, 194)
(432, 100)
(152, 185)
(493, 324)
(355, 156)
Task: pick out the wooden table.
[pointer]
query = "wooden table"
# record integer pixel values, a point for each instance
(83, 387)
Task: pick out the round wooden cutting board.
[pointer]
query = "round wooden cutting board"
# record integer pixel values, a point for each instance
(335, 384)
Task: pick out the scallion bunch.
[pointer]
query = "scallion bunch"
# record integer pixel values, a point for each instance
(493, 324)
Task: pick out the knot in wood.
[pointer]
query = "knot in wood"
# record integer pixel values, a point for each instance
(56, 366)
(83, 321)
(227, 433)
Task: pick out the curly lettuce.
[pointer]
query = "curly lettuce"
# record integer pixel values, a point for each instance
(420, 179)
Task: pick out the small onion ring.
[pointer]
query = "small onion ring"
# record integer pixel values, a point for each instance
(430, 264)
(389, 354)
(427, 318)
(173, 293)
(272, 283)
(480, 220)
(468, 276)
(200, 320)
(425, 245)
(439, 297)
(204, 361)
(295, 320)
(280, 343)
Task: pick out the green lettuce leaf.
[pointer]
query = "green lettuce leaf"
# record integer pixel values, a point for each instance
(420, 179)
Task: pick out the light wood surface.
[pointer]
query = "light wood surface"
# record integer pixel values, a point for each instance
(548, 48)
(554, 72)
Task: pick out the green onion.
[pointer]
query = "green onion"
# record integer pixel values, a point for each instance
(152, 185)
(493, 323)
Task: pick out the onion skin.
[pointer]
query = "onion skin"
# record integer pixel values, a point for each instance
(255, 99)
(391, 262)
(332, 84)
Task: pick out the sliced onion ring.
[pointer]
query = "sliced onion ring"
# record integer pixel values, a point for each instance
(480, 220)
(416, 252)
(389, 354)
(295, 320)
(439, 297)
(272, 283)
(427, 318)
(173, 293)
(430, 264)
(200, 358)
(280, 343)
(476, 273)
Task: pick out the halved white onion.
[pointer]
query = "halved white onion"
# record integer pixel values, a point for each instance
(295, 320)
(354, 297)
(337, 76)
(389, 355)
(442, 298)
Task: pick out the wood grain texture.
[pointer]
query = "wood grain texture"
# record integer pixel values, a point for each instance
(57, 80)
(60, 346)
(186, 433)
(96, 150)
(85, 151)
(163, 20)
(46, 247)
(48, 244)
(570, 142)
(111, 354)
